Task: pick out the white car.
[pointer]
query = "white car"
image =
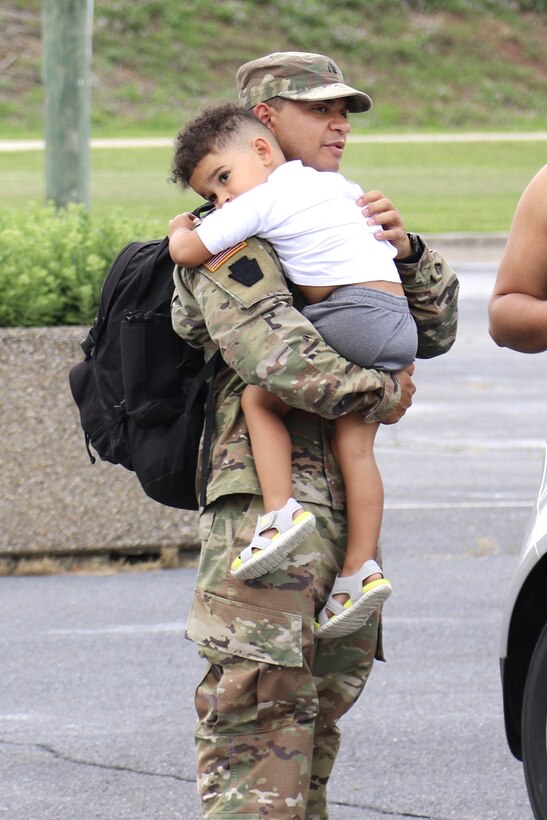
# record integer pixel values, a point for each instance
(523, 656)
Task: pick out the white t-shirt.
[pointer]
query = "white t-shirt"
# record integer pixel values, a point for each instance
(312, 220)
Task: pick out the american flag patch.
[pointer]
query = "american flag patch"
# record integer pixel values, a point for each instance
(215, 262)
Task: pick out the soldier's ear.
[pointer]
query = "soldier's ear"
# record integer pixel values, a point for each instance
(262, 113)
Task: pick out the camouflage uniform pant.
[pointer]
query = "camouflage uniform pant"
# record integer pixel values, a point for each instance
(271, 696)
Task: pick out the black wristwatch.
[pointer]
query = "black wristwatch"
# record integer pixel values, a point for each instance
(417, 247)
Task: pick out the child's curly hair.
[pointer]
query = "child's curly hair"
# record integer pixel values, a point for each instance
(212, 130)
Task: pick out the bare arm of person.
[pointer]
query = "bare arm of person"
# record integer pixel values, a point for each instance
(518, 307)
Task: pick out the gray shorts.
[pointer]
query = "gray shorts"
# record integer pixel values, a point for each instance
(367, 326)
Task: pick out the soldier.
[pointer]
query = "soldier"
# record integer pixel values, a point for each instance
(271, 696)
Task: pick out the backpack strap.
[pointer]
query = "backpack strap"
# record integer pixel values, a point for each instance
(212, 368)
(203, 210)
(206, 374)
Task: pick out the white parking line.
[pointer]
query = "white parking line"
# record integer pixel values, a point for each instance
(123, 629)
(502, 504)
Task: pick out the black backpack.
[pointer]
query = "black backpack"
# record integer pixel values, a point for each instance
(141, 389)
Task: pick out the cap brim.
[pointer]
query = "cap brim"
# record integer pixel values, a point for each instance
(358, 101)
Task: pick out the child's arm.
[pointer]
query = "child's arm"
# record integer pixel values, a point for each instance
(185, 246)
(221, 229)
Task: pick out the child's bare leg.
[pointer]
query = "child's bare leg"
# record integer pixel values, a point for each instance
(360, 588)
(285, 524)
(353, 446)
(271, 444)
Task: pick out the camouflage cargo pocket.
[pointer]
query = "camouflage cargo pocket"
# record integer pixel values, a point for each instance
(223, 627)
(230, 617)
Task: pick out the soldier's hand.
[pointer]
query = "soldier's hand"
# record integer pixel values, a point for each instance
(408, 388)
(379, 210)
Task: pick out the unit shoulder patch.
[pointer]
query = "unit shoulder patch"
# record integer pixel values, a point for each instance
(246, 271)
(253, 273)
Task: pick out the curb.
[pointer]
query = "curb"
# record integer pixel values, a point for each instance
(468, 248)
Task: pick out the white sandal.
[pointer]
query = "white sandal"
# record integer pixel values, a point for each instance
(363, 600)
(265, 554)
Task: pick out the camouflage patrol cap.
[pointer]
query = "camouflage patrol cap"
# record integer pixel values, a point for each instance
(295, 75)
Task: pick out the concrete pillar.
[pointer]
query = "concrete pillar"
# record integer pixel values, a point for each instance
(67, 38)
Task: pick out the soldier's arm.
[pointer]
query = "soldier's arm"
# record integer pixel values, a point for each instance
(247, 310)
(518, 306)
(431, 288)
(430, 284)
(187, 318)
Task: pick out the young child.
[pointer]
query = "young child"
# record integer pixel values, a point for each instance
(356, 302)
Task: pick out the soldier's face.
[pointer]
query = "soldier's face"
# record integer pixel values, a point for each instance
(313, 132)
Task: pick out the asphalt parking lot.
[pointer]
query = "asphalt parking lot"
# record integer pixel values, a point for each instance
(96, 710)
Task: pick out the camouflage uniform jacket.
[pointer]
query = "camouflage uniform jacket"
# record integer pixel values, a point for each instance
(239, 302)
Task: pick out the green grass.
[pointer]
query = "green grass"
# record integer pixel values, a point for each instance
(449, 187)
(438, 187)
(428, 64)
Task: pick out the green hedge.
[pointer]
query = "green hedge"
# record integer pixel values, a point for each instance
(53, 263)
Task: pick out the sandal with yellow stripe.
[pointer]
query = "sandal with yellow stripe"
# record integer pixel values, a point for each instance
(265, 554)
(336, 619)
